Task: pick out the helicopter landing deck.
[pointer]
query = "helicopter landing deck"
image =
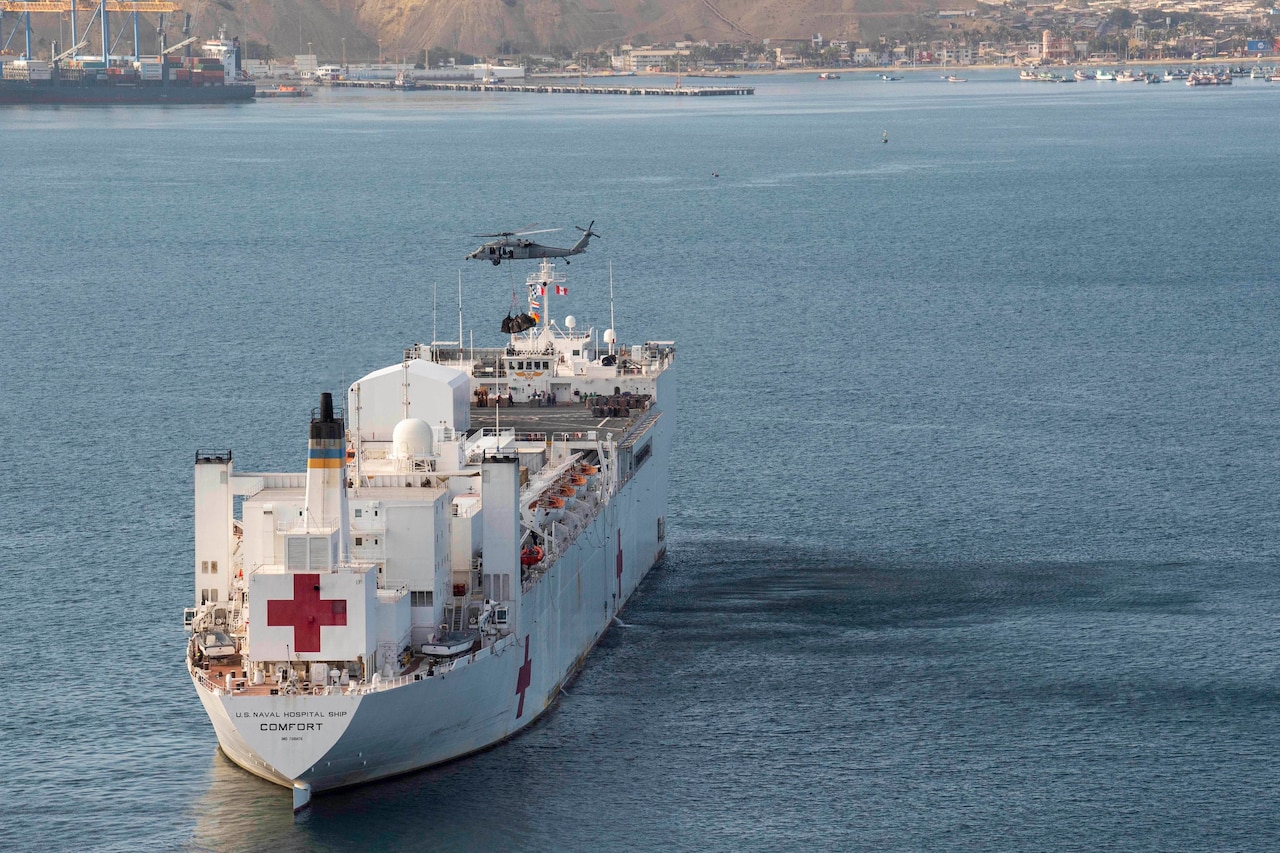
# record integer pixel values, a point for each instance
(552, 420)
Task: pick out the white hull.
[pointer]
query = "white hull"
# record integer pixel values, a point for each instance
(336, 740)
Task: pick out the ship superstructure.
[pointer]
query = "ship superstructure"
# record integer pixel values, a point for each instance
(457, 543)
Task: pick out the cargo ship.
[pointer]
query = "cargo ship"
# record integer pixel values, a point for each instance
(455, 546)
(212, 78)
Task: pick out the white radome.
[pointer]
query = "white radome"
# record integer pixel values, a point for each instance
(411, 439)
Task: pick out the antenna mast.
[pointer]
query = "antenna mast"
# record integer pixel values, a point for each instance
(612, 327)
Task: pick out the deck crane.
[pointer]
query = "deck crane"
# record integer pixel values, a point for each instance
(71, 51)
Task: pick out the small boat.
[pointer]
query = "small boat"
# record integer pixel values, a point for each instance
(1130, 77)
(1082, 75)
(1274, 78)
(1209, 78)
(1104, 74)
(283, 92)
(889, 79)
(828, 75)
(1035, 76)
(447, 644)
(1257, 73)
(951, 78)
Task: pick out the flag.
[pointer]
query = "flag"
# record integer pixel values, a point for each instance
(562, 291)
(542, 290)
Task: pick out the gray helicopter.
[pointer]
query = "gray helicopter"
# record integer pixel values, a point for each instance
(512, 245)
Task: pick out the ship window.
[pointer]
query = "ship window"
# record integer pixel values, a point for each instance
(213, 596)
(359, 540)
(204, 596)
(420, 598)
(213, 567)
(204, 567)
(359, 513)
(375, 513)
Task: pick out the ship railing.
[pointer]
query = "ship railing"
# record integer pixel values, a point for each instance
(208, 683)
(563, 437)
(304, 525)
(367, 687)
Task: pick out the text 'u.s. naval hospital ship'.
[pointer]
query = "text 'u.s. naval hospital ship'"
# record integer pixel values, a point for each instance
(455, 547)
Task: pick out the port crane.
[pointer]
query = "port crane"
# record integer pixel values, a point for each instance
(26, 8)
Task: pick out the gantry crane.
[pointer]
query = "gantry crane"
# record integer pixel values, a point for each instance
(104, 7)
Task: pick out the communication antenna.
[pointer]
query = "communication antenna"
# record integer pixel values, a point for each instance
(459, 315)
(434, 290)
(612, 327)
(404, 387)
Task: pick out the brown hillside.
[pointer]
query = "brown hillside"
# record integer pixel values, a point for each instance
(490, 27)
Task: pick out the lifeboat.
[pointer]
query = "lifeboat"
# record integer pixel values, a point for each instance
(577, 480)
(567, 491)
(549, 508)
(588, 470)
(531, 556)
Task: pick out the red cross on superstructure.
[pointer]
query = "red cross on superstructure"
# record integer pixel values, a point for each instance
(524, 678)
(619, 564)
(306, 612)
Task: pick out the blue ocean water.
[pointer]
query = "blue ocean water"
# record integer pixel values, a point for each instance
(973, 537)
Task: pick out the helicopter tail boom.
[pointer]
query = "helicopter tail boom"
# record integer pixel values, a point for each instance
(581, 246)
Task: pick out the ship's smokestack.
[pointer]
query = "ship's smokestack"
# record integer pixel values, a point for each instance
(326, 461)
(326, 413)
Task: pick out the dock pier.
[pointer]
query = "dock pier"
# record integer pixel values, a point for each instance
(543, 88)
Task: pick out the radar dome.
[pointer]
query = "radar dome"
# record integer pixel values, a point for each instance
(411, 439)
(609, 336)
(570, 322)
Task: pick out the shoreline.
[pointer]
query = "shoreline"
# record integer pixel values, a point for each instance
(953, 69)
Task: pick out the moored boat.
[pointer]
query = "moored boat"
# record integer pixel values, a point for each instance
(284, 92)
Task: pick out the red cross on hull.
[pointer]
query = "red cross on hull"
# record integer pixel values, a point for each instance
(306, 613)
(524, 678)
(619, 564)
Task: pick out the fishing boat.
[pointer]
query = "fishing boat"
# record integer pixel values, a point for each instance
(951, 78)
(460, 538)
(828, 75)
